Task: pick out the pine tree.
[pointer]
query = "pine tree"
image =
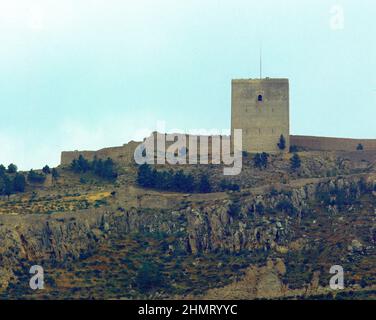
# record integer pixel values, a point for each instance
(260, 160)
(204, 185)
(12, 168)
(19, 183)
(295, 162)
(46, 169)
(282, 143)
(145, 176)
(3, 170)
(8, 187)
(55, 173)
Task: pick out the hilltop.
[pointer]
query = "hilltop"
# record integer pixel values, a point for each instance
(270, 232)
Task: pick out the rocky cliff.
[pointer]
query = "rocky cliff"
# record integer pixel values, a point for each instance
(271, 219)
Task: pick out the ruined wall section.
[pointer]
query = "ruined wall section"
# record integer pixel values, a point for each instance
(122, 154)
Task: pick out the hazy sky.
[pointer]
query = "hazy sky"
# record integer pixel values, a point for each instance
(86, 74)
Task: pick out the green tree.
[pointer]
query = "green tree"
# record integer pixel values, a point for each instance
(189, 183)
(3, 170)
(282, 143)
(19, 183)
(98, 166)
(179, 181)
(260, 160)
(227, 185)
(12, 168)
(8, 187)
(145, 176)
(83, 164)
(163, 180)
(108, 171)
(204, 184)
(46, 169)
(149, 277)
(295, 162)
(80, 165)
(234, 209)
(183, 182)
(33, 176)
(55, 173)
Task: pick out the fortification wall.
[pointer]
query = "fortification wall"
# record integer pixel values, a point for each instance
(125, 154)
(332, 144)
(122, 154)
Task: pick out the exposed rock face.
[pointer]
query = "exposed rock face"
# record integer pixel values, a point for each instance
(258, 282)
(64, 237)
(233, 225)
(214, 228)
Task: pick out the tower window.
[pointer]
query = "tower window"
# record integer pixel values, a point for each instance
(259, 98)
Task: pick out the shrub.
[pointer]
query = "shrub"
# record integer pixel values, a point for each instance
(226, 185)
(286, 206)
(234, 209)
(149, 277)
(273, 192)
(260, 209)
(260, 160)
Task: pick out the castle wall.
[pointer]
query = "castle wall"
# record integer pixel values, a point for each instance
(332, 144)
(264, 121)
(124, 154)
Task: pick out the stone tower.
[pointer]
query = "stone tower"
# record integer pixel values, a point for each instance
(260, 107)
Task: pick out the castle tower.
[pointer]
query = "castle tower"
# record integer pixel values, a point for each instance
(260, 107)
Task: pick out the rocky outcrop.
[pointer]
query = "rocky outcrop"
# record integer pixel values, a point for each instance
(257, 283)
(244, 221)
(54, 239)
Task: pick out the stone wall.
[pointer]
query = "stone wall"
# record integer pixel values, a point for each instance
(122, 154)
(125, 154)
(262, 122)
(332, 144)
